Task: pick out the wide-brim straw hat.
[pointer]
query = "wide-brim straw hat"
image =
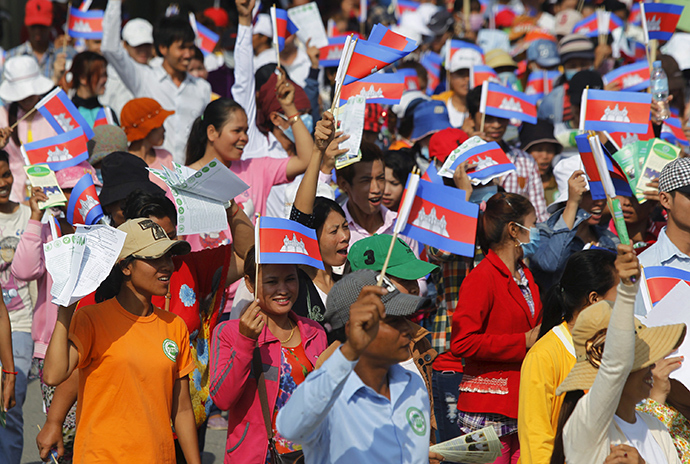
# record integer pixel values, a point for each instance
(589, 334)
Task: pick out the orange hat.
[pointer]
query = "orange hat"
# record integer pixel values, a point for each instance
(140, 116)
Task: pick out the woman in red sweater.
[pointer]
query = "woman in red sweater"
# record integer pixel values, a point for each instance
(497, 320)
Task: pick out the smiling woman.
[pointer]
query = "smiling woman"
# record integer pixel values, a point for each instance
(127, 330)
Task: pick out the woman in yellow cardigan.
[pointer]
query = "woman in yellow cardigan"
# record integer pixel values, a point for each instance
(589, 276)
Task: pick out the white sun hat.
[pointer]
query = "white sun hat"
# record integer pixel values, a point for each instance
(22, 78)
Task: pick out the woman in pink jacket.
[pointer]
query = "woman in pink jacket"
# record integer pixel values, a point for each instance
(288, 345)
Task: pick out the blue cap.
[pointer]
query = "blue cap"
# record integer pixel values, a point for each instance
(544, 52)
(429, 117)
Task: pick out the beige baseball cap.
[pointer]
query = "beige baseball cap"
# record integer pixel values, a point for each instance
(147, 240)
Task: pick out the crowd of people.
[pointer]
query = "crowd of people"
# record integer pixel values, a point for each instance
(540, 335)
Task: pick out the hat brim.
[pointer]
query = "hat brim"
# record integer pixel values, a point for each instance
(11, 92)
(404, 304)
(412, 270)
(651, 345)
(143, 130)
(548, 62)
(559, 147)
(161, 248)
(586, 55)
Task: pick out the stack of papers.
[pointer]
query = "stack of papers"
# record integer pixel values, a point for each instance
(480, 447)
(40, 175)
(202, 196)
(350, 120)
(80, 262)
(643, 161)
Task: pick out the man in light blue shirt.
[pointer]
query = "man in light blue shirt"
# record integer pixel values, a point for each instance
(673, 244)
(360, 406)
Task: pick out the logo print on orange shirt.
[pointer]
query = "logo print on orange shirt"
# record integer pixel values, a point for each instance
(170, 349)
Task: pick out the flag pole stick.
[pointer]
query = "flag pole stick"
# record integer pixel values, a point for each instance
(64, 41)
(339, 84)
(274, 24)
(257, 252)
(28, 113)
(466, 15)
(379, 283)
(481, 127)
(51, 453)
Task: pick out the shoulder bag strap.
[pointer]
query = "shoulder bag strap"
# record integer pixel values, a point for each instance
(263, 396)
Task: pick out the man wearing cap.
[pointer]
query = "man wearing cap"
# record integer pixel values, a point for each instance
(542, 55)
(456, 98)
(137, 38)
(539, 142)
(361, 405)
(577, 54)
(672, 248)
(166, 82)
(38, 18)
(262, 41)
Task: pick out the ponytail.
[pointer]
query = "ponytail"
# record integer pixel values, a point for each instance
(216, 114)
(112, 284)
(585, 272)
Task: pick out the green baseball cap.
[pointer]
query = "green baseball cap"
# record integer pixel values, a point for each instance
(370, 253)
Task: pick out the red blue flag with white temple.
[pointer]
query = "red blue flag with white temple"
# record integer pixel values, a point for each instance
(632, 77)
(386, 89)
(368, 58)
(206, 39)
(58, 152)
(502, 102)
(61, 114)
(440, 217)
(603, 110)
(660, 19)
(590, 25)
(485, 162)
(540, 83)
(329, 56)
(84, 207)
(616, 173)
(432, 63)
(85, 24)
(282, 241)
(480, 73)
(672, 131)
(283, 27)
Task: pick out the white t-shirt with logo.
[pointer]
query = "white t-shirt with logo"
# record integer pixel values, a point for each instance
(640, 438)
(15, 292)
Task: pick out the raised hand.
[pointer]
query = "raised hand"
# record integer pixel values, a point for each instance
(313, 53)
(36, 196)
(244, 9)
(627, 265)
(365, 314)
(285, 92)
(252, 321)
(661, 372)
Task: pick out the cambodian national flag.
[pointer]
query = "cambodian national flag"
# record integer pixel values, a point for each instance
(104, 117)
(386, 89)
(619, 183)
(368, 58)
(453, 45)
(604, 110)
(83, 206)
(58, 152)
(624, 138)
(481, 73)
(635, 15)
(672, 132)
(281, 241)
(85, 24)
(411, 78)
(380, 34)
(540, 83)
(590, 25)
(440, 217)
(283, 27)
(632, 77)
(403, 6)
(206, 39)
(485, 162)
(662, 279)
(432, 63)
(660, 19)
(61, 113)
(330, 56)
(503, 102)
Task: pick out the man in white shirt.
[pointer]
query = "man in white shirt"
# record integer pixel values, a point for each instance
(137, 38)
(168, 81)
(262, 42)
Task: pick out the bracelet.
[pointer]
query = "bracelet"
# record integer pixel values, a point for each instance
(10, 373)
(236, 211)
(293, 119)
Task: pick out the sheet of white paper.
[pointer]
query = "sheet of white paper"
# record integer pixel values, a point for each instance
(197, 214)
(351, 122)
(103, 246)
(63, 257)
(671, 310)
(215, 181)
(309, 23)
(472, 142)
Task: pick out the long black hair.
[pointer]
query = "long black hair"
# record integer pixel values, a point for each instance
(216, 114)
(501, 210)
(569, 403)
(110, 287)
(585, 272)
(322, 208)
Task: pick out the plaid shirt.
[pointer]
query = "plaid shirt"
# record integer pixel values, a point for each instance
(471, 422)
(454, 270)
(526, 180)
(47, 61)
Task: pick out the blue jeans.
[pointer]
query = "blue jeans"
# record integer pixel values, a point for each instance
(12, 437)
(445, 387)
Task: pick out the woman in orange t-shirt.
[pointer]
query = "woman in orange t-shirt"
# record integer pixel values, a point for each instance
(134, 359)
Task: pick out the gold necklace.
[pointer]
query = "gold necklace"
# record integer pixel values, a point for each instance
(292, 332)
